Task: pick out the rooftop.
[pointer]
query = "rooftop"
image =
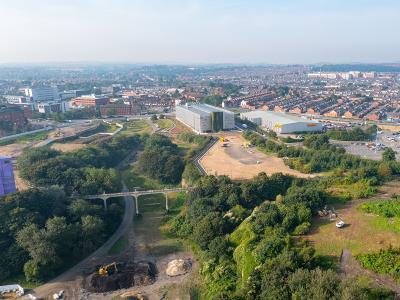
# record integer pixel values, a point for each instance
(277, 116)
(204, 109)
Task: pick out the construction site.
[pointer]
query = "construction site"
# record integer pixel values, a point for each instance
(233, 156)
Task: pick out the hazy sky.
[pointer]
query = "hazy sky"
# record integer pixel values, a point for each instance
(200, 31)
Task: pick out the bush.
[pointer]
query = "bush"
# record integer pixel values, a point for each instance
(384, 262)
(384, 208)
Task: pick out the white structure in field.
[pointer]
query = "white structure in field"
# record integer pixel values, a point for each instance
(205, 118)
(281, 122)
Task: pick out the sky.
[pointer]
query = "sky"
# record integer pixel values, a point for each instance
(200, 31)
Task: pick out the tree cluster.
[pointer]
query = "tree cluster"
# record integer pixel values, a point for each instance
(85, 171)
(43, 231)
(354, 134)
(161, 160)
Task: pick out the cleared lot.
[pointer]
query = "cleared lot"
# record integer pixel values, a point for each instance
(241, 163)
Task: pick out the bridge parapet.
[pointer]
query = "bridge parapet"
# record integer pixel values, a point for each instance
(135, 194)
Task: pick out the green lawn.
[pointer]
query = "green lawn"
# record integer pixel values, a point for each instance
(39, 136)
(164, 123)
(133, 179)
(136, 126)
(103, 127)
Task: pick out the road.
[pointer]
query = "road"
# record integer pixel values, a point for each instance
(67, 281)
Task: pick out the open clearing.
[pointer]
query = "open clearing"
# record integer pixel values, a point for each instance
(67, 147)
(240, 163)
(363, 233)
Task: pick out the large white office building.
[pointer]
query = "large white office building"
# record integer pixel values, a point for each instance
(205, 118)
(281, 122)
(42, 93)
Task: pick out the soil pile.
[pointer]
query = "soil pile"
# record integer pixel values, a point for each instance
(178, 267)
(128, 275)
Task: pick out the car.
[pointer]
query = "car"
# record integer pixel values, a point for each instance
(340, 224)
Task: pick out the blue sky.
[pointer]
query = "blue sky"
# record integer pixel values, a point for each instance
(194, 31)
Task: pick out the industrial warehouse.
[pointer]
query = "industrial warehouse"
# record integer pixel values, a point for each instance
(281, 122)
(205, 118)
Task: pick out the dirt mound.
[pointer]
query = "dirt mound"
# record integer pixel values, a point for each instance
(178, 267)
(137, 274)
(135, 295)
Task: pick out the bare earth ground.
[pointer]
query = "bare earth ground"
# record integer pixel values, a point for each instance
(21, 184)
(145, 242)
(14, 150)
(240, 163)
(67, 147)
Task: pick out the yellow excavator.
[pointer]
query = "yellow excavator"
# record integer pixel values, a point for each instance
(108, 269)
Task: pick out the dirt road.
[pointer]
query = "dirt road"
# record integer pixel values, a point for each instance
(349, 266)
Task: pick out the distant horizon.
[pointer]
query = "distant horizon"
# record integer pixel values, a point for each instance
(121, 63)
(304, 32)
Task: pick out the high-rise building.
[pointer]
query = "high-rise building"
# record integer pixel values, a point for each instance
(205, 118)
(7, 182)
(42, 93)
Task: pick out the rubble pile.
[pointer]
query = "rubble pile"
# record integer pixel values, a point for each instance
(178, 267)
(128, 275)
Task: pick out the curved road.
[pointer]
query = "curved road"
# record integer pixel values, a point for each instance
(66, 281)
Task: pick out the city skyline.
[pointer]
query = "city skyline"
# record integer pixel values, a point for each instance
(178, 32)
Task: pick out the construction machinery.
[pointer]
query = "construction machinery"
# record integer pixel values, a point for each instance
(108, 269)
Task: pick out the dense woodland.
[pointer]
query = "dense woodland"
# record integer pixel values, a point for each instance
(42, 231)
(161, 160)
(86, 171)
(247, 235)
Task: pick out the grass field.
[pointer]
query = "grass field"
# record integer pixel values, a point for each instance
(164, 123)
(103, 127)
(136, 126)
(133, 179)
(39, 136)
(364, 233)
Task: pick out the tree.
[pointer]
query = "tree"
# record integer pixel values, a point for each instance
(389, 154)
(35, 243)
(208, 228)
(92, 230)
(384, 170)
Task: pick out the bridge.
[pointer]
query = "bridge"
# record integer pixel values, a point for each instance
(135, 194)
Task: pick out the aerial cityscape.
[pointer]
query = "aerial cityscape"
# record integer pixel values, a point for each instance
(199, 150)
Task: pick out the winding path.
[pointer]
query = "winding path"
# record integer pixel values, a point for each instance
(67, 280)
